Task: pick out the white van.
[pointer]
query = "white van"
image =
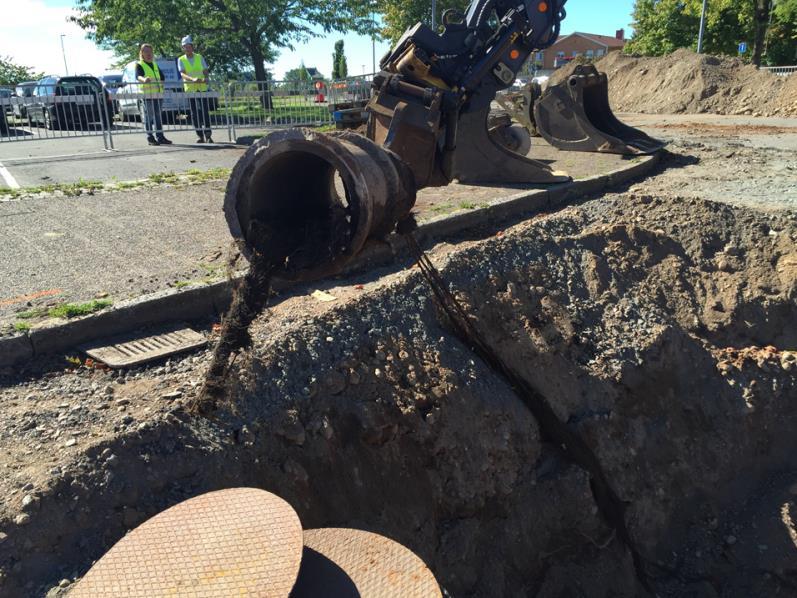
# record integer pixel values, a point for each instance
(174, 103)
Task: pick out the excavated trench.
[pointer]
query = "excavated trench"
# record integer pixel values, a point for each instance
(616, 420)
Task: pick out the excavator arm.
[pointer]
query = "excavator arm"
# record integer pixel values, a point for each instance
(311, 200)
(433, 94)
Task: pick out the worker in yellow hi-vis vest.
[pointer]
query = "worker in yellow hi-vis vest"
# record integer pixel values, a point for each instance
(150, 80)
(194, 71)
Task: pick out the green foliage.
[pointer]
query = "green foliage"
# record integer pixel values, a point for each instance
(297, 75)
(782, 34)
(233, 35)
(340, 68)
(399, 15)
(11, 74)
(66, 310)
(662, 26)
(73, 310)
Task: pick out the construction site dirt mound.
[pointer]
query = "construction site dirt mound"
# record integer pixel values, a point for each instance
(686, 82)
(657, 331)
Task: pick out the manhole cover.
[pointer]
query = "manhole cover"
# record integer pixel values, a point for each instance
(130, 352)
(236, 542)
(350, 563)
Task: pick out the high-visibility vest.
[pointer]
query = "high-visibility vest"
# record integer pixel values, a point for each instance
(193, 69)
(153, 73)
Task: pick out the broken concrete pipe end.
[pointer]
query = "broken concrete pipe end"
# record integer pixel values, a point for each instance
(308, 201)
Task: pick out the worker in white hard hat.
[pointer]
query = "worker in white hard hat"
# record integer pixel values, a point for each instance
(194, 72)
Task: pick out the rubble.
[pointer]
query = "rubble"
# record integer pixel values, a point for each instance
(686, 82)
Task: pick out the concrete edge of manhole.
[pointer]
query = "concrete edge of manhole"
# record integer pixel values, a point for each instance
(200, 301)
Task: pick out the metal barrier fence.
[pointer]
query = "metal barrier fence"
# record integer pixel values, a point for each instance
(71, 107)
(74, 108)
(783, 71)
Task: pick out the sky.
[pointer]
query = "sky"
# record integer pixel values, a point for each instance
(30, 34)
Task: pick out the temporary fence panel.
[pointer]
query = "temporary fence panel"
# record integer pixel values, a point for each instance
(264, 104)
(351, 89)
(171, 109)
(783, 71)
(68, 107)
(57, 108)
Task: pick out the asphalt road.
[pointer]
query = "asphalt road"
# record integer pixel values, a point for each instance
(34, 162)
(130, 243)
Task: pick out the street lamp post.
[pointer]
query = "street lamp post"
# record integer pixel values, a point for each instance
(63, 53)
(702, 28)
(434, 15)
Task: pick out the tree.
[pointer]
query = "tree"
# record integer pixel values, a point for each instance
(11, 73)
(781, 41)
(232, 34)
(760, 29)
(399, 15)
(661, 26)
(340, 69)
(297, 75)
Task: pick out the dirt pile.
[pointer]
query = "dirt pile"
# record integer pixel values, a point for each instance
(659, 332)
(686, 82)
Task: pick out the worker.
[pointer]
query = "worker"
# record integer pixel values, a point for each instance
(151, 79)
(194, 72)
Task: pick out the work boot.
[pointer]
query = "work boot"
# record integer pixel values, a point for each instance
(209, 139)
(163, 141)
(152, 141)
(200, 139)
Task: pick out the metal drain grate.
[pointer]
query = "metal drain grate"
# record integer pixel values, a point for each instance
(132, 352)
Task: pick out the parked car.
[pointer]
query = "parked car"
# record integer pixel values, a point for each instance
(63, 102)
(24, 92)
(112, 83)
(5, 99)
(3, 124)
(174, 103)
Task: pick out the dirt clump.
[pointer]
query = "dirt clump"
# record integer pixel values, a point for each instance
(658, 331)
(686, 82)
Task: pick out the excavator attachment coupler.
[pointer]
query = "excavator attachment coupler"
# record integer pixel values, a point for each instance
(575, 115)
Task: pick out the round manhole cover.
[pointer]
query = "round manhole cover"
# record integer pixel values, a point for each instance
(349, 563)
(235, 542)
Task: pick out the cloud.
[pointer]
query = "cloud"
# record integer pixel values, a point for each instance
(30, 33)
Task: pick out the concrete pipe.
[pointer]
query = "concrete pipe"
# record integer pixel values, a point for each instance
(308, 201)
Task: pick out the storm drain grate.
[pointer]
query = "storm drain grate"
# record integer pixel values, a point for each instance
(132, 352)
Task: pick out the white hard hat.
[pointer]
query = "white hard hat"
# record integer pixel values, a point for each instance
(187, 40)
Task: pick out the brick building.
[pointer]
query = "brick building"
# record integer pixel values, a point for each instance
(575, 44)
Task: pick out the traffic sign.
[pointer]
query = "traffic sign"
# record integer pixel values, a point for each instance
(742, 47)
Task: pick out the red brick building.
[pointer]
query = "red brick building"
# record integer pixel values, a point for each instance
(575, 44)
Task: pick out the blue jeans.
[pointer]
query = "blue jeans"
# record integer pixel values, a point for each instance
(151, 115)
(200, 116)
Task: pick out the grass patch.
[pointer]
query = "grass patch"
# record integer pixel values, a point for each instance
(163, 177)
(65, 310)
(88, 187)
(21, 326)
(442, 208)
(38, 312)
(212, 273)
(211, 174)
(73, 310)
(127, 185)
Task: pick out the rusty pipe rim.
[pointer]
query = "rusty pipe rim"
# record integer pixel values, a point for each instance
(284, 182)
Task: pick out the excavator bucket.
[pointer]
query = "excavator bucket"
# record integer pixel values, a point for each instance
(575, 115)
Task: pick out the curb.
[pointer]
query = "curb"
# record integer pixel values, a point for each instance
(200, 301)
